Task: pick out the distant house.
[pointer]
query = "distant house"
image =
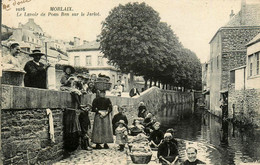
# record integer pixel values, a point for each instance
(228, 50)
(89, 55)
(31, 36)
(253, 64)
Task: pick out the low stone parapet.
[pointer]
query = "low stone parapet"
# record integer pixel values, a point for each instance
(25, 123)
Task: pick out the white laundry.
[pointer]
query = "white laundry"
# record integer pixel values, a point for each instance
(51, 126)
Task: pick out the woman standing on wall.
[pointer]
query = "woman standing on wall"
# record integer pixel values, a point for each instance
(102, 129)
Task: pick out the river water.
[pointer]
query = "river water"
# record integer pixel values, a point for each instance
(218, 142)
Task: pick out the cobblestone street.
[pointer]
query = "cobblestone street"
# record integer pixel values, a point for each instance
(109, 156)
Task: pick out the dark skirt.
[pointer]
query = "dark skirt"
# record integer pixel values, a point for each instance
(71, 130)
(102, 130)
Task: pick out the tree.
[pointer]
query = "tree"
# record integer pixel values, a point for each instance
(134, 40)
(131, 39)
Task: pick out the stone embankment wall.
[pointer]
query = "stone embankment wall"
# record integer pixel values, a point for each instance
(25, 123)
(154, 98)
(244, 105)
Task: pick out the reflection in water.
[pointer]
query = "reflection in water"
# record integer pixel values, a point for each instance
(223, 142)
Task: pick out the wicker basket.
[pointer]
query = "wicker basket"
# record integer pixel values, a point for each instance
(105, 79)
(101, 85)
(141, 159)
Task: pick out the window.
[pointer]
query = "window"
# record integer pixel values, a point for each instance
(76, 61)
(257, 63)
(251, 69)
(232, 77)
(250, 65)
(100, 60)
(88, 60)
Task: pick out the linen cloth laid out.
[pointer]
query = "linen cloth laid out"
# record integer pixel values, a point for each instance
(51, 126)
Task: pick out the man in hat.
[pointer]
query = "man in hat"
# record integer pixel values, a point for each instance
(10, 61)
(35, 76)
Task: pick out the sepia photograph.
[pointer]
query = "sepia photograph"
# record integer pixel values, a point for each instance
(124, 82)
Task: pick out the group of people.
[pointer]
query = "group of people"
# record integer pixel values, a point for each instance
(35, 75)
(36, 72)
(105, 125)
(118, 89)
(165, 143)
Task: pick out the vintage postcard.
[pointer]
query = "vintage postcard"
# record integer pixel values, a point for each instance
(185, 72)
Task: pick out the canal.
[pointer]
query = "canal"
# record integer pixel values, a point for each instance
(218, 142)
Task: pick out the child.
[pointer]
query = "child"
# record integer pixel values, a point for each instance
(85, 126)
(156, 136)
(119, 116)
(121, 135)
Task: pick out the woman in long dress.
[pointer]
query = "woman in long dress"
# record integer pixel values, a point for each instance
(102, 129)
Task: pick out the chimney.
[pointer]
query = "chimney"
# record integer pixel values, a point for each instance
(76, 41)
(243, 12)
(231, 14)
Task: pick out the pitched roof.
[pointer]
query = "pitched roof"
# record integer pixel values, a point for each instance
(247, 16)
(254, 40)
(93, 45)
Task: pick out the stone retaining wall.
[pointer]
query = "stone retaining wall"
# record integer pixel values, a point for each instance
(25, 124)
(244, 105)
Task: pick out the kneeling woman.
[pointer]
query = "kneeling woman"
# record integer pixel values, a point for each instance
(102, 129)
(167, 151)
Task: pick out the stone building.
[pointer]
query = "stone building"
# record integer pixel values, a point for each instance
(228, 50)
(31, 36)
(244, 88)
(206, 85)
(89, 55)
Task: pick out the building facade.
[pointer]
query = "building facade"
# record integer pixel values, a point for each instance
(228, 51)
(31, 36)
(206, 84)
(244, 88)
(89, 55)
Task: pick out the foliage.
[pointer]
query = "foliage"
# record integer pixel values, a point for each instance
(134, 38)
(127, 37)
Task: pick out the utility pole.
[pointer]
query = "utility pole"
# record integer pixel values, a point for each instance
(1, 153)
